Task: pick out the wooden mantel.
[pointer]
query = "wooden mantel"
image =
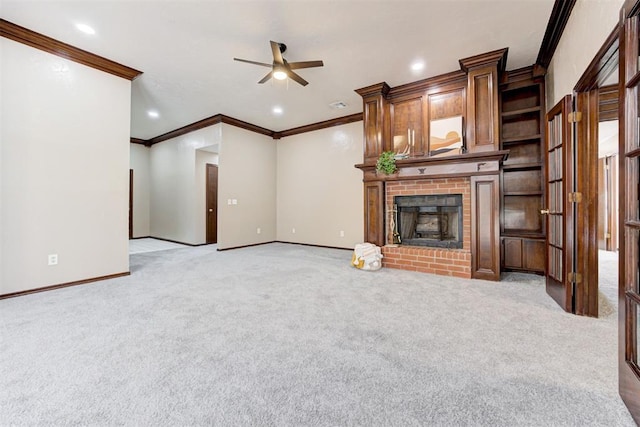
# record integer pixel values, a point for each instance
(469, 164)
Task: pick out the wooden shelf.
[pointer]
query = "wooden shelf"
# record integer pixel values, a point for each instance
(520, 112)
(521, 138)
(522, 227)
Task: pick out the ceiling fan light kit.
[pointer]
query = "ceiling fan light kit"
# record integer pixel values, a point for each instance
(280, 68)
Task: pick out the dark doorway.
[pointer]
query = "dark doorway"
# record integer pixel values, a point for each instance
(130, 203)
(212, 203)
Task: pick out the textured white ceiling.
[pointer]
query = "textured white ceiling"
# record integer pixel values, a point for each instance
(186, 49)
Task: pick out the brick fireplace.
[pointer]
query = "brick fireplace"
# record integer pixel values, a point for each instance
(474, 176)
(435, 260)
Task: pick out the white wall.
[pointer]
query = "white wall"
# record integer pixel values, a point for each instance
(247, 173)
(64, 144)
(319, 189)
(176, 196)
(139, 162)
(589, 25)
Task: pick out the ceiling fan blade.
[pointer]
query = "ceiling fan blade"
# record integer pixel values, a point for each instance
(253, 62)
(266, 78)
(277, 55)
(297, 78)
(305, 64)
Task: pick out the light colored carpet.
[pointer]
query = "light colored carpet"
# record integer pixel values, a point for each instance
(287, 335)
(607, 283)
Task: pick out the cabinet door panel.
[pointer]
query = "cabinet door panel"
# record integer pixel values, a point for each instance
(512, 257)
(534, 255)
(407, 131)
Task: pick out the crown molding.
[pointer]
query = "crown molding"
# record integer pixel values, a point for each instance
(376, 89)
(140, 141)
(498, 57)
(454, 78)
(221, 118)
(320, 125)
(246, 125)
(23, 35)
(555, 27)
(200, 124)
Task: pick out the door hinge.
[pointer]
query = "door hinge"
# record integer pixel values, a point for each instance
(607, 235)
(575, 277)
(575, 197)
(575, 116)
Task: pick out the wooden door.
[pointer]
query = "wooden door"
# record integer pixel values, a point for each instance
(559, 212)
(212, 203)
(130, 203)
(629, 237)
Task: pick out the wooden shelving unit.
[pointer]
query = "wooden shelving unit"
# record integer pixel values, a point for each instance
(522, 227)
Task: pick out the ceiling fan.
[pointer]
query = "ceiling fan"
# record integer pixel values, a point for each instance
(280, 68)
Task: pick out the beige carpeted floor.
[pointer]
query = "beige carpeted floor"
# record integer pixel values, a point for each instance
(287, 335)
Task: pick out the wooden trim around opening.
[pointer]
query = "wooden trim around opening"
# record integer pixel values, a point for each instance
(605, 61)
(40, 41)
(555, 27)
(63, 285)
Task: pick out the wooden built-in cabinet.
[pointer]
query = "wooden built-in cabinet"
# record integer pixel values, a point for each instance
(374, 104)
(522, 227)
(502, 112)
(483, 72)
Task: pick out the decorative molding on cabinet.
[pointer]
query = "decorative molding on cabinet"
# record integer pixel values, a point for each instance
(496, 57)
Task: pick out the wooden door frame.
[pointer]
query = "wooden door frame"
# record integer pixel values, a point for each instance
(587, 103)
(629, 380)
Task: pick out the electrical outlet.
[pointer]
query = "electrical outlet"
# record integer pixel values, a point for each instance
(258, 230)
(234, 201)
(293, 230)
(341, 233)
(53, 259)
(228, 201)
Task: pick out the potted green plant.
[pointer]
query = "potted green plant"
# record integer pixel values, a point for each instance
(386, 163)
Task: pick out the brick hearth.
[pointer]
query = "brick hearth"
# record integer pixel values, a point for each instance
(445, 262)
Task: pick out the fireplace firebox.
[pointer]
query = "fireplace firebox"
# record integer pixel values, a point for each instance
(429, 220)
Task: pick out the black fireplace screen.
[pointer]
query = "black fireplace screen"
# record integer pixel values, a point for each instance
(434, 220)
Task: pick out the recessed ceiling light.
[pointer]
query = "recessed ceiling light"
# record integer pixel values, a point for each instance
(153, 114)
(85, 29)
(277, 110)
(417, 66)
